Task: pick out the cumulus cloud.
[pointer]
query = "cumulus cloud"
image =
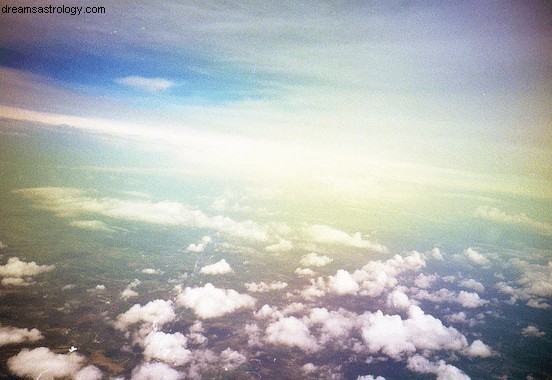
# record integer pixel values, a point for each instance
(43, 363)
(475, 257)
(321, 233)
(14, 335)
(370, 377)
(156, 313)
(129, 291)
(169, 348)
(220, 267)
(497, 215)
(263, 287)
(153, 85)
(211, 302)
(436, 254)
(199, 247)
(342, 283)
(478, 349)
(282, 246)
(16, 268)
(444, 371)
(314, 260)
(292, 332)
(532, 331)
(424, 281)
(155, 371)
(463, 298)
(304, 272)
(472, 284)
(152, 271)
(534, 283)
(93, 225)
(67, 202)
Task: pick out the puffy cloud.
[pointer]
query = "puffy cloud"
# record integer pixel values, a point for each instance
(472, 284)
(146, 84)
(321, 233)
(221, 267)
(17, 268)
(14, 335)
(395, 337)
(292, 332)
(475, 257)
(538, 304)
(478, 349)
(89, 373)
(370, 377)
(425, 281)
(399, 300)
(436, 254)
(466, 299)
(343, 283)
(15, 281)
(262, 287)
(470, 300)
(199, 247)
(43, 363)
(497, 215)
(444, 371)
(211, 302)
(232, 359)
(152, 271)
(156, 313)
(169, 348)
(460, 317)
(67, 202)
(532, 331)
(155, 371)
(93, 225)
(129, 292)
(282, 246)
(304, 272)
(314, 260)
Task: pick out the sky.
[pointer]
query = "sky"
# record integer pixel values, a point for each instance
(277, 189)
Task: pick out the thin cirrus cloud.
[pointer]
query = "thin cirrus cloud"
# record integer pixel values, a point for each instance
(153, 85)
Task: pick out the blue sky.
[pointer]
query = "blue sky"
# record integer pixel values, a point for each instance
(438, 84)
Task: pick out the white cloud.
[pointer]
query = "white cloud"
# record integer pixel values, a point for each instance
(304, 272)
(89, 373)
(497, 215)
(314, 260)
(211, 302)
(321, 233)
(424, 281)
(156, 313)
(460, 317)
(532, 331)
(292, 332)
(475, 257)
(15, 281)
(93, 225)
(199, 247)
(470, 300)
(436, 254)
(155, 371)
(399, 300)
(220, 267)
(444, 371)
(146, 84)
(472, 284)
(129, 291)
(152, 271)
(263, 287)
(17, 268)
(45, 363)
(282, 246)
(67, 202)
(478, 349)
(538, 303)
(169, 348)
(343, 283)
(370, 377)
(14, 335)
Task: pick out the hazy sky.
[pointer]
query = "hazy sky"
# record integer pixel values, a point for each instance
(303, 85)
